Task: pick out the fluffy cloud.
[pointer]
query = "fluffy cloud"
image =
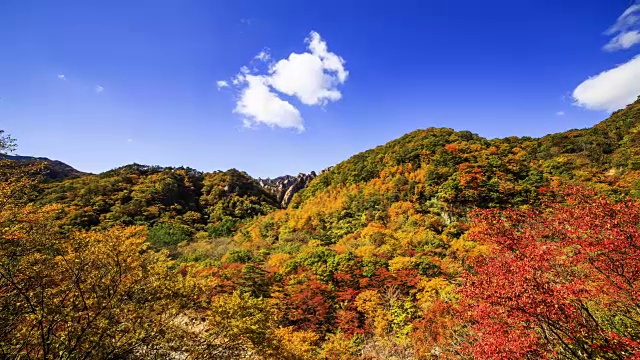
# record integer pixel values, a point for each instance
(611, 89)
(62, 77)
(258, 104)
(99, 89)
(312, 77)
(626, 30)
(222, 84)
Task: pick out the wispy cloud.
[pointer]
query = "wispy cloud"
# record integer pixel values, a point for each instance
(263, 56)
(560, 113)
(626, 30)
(612, 89)
(312, 77)
(62, 77)
(99, 89)
(222, 84)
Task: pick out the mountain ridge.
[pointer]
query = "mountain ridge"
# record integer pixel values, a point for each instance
(438, 166)
(371, 256)
(54, 169)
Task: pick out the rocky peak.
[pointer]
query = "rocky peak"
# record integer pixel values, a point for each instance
(285, 187)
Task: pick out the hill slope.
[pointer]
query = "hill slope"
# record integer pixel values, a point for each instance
(441, 174)
(54, 169)
(375, 247)
(139, 194)
(368, 260)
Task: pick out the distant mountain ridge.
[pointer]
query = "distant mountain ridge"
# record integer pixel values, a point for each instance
(55, 170)
(438, 171)
(283, 188)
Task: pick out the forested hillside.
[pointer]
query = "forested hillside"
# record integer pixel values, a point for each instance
(53, 169)
(440, 244)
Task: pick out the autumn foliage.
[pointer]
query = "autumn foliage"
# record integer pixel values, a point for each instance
(440, 244)
(560, 281)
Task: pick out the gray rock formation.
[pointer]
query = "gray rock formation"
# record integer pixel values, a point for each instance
(285, 187)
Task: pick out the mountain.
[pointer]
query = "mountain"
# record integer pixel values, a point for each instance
(138, 194)
(54, 169)
(285, 187)
(371, 259)
(376, 247)
(439, 172)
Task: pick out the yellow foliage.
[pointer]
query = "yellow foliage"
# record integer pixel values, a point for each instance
(434, 289)
(294, 345)
(338, 347)
(400, 263)
(372, 305)
(463, 248)
(366, 251)
(276, 262)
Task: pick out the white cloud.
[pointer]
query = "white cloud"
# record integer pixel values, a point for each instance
(560, 113)
(99, 89)
(222, 84)
(623, 41)
(263, 56)
(312, 77)
(258, 104)
(626, 30)
(129, 140)
(629, 17)
(612, 89)
(62, 77)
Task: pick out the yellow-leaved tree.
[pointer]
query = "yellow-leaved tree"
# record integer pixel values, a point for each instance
(78, 294)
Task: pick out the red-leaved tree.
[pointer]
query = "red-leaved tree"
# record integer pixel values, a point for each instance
(561, 281)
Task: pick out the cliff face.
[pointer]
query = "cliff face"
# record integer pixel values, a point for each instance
(285, 187)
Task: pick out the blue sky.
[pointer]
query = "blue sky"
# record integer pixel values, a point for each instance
(100, 84)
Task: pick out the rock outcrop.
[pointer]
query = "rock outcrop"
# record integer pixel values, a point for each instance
(285, 187)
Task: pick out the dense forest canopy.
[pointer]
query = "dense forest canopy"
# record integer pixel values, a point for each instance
(440, 244)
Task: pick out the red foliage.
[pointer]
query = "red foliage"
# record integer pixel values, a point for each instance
(434, 330)
(307, 304)
(452, 148)
(561, 281)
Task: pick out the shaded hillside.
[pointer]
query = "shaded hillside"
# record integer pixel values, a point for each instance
(139, 194)
(229, 197)
(53, 169)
